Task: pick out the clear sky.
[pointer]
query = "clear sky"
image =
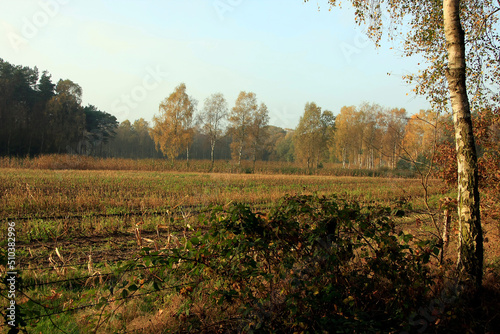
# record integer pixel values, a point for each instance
(128, 55)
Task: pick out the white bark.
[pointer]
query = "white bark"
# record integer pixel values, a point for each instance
(470, 258)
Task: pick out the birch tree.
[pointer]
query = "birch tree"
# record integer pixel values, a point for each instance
(395, 121)
(258, 133)
(172, 130)
(470, 256)
(370, 133)
(240, 118)
(214, 113)
(446, 33)
(421, 137)
(344, 144)
(312, 134)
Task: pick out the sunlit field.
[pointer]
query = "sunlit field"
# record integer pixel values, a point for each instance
(46, 193)
(81, 232)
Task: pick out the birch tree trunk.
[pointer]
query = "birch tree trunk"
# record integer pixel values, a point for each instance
(240, 153)
(344, 157)
(470, 254)
(212, 149)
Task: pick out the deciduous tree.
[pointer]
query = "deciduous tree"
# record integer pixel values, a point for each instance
(240, 120)
(258, 130)
(369, 123)
(284, 147)
(345, 128)
(394, 121)
(212, 119)
(421, 137)
(446, 33)
(312, 133)
(172, 129)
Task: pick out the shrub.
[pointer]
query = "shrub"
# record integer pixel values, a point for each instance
(313, 264)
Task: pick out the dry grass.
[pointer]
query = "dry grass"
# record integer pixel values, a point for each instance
(45, 193)
(76, 162)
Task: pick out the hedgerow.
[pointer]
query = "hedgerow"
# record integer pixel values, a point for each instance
(312, 264)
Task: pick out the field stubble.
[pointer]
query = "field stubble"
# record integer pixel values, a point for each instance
(69, 221)
(46, 193)
(80, 210)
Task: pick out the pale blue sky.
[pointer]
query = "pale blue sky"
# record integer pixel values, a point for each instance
(128, 55)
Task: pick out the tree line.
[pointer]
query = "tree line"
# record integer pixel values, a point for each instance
(368, 136)
(38, 117)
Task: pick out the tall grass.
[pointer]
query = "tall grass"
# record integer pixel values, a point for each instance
(78, 162)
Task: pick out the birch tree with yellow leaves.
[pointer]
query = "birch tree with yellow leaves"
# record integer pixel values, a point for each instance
(240, 119)
(312, 136)
(172, 130)
(258, 131)
(395, 121)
